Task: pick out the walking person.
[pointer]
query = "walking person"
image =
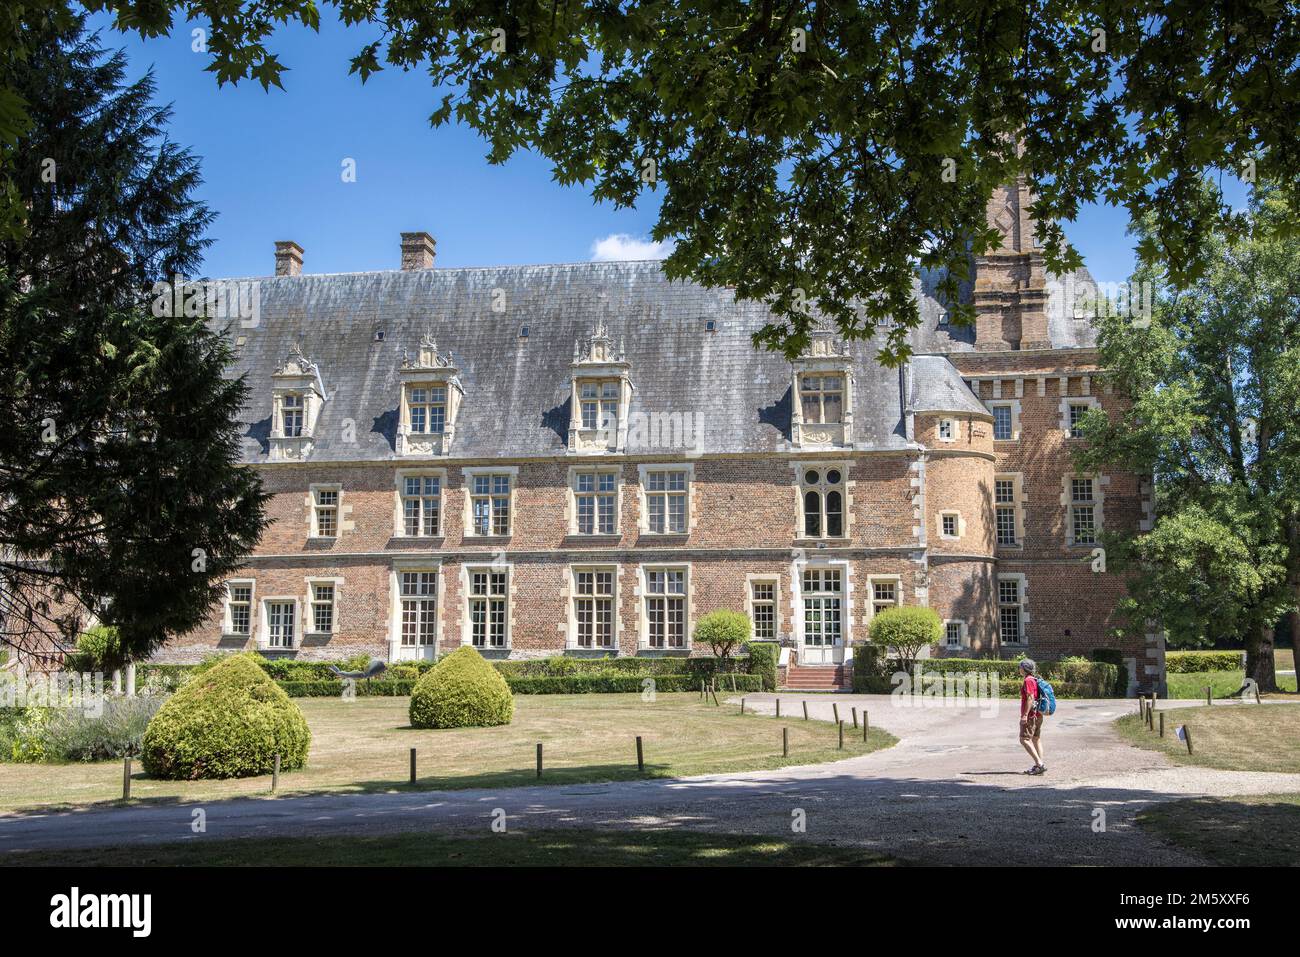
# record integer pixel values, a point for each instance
(1031, 718)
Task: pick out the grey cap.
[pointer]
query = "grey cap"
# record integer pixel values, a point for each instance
(1027, 664)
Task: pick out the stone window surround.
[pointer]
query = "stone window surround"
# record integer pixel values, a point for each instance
(1014, 406)
(1099, 483)
(845, 567)
(1024, 609)
(954, 428)
(845, 467)
(1020, 500)
(339, 512)
(643, 519)
(870, 602)
(412, 563)
(466, 632)
(1091, 401)
(468, 473)
(965, 634)
(264, 626)
(643, 619)
(961, 525)
(571, 499)
(309, 622)
(399, 509)
(763, 579)
(227, 625)
(570, 624)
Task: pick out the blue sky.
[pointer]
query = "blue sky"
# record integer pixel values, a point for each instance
(272, 165)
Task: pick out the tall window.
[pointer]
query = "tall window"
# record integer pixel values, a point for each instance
(665, 606)
(291, 410)
(823, 503)
(593, 607)
(280, 619)
(419, 594)
(490, 502)
(823, 619)
(488, 599)
(240, 605)
(428, 409)
(1004, 501)
(421, 505)
(1077, 411)
(762, 605)
(327, 512)
(1002, 422)
(665, 499)
(952, 634)
(821, 398)
(322, 608)
(595, 496)
(884, 594)
(1083, 512)
(1010, 620)
(599, 403)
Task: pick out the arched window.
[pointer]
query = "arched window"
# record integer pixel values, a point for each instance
(812, 514)
(823, 502)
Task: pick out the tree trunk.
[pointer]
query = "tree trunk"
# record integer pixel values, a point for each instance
(1259, 659)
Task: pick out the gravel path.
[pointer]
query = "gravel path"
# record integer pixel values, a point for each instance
(950, 792)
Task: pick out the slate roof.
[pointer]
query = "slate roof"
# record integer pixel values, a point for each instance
(516, 389)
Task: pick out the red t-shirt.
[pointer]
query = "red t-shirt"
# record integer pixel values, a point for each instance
(1028, 696)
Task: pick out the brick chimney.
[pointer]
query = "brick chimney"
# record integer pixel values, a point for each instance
(288, 258)
(1011, 293)
(417, 251)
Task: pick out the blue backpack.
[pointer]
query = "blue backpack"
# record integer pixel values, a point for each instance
(1046, 696)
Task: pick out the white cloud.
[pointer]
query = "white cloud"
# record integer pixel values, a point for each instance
(621, 246)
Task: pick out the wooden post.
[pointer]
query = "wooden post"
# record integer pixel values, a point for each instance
(1187, 736)
(640, 755)
(1151, 714)
(742, 705)
(836, 707)
(778, 707)
(785, 742)
(1162, 724)
(1257, 701)
(275, 773)
(855, 718)
(1207, 695)
(539, 759)
(716, 702)
(864, 724)
(413, 765)
(805, 710)
(126, 778)
(841, 726)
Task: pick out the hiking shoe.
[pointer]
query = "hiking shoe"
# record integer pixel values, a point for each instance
(1038, 769)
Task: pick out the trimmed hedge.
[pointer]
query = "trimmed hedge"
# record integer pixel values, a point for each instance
(1070, 678)
(461, 691)
(622, 684)
(1194, 662)
(229, 721)
(1113, 656)
(762, 664)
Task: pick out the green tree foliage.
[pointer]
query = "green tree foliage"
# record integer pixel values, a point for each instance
(461, 691)
(1214, 381)
(723, 631)
(818, 151)
(230, 721)
(903, 632)
(119, 460)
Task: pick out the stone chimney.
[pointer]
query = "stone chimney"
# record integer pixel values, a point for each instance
(1011, 294)
(288, 258)
(417, 251)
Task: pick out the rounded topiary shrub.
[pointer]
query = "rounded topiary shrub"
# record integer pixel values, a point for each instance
(461, 691)
(230, 721)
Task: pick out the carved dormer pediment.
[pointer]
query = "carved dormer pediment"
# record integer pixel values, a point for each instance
(297, 396)
(601, 392)
(430, 400)
(822, 383)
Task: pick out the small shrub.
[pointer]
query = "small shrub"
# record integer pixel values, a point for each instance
(906, 630)
(229, 721)
(762, 664)
(723, 631)
(72, 734)
(462, 691)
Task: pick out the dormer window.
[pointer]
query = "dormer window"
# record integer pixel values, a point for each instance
(600, 403)
(823, 384)
(297, 396)
(431, 395)
(428, 409)
(821, 399)
(601, 390)
(291, 409)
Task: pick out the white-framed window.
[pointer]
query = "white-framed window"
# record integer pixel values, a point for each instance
(823, 606)
(598, 403)
(488, 608)
(763, 604)
(667, 501)
(239, 607)
(885, 593)
(1073, 409)
(821, 398)
(1083, 510)
(1003, 422)
(322, 597)
(950, 525)
(954, 634)
(948, 430)
(280, 623)
(490, 495)
(325, 510)
(665, 607)
(1006, 509)
(421, 501)
(595, 501)
(418, 598)
(822, 501)
(292, 409)
(426, 407)
(1077, 411)
(1011, 609)
(594, 596)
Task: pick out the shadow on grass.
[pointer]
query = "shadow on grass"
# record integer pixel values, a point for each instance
(1262, 831)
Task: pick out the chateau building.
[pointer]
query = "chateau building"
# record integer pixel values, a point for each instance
(587, 458)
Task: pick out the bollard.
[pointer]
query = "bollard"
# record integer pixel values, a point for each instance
(1162, 724)
(1187, 736)
(841, 726)
(1151, 714)
(855, 718)
(413, 765)
(275, 773)
(742, 705)
(640, 755)
(805, 710)
(1257, 701)
(785, 742)
(716, 702)
(778, 707)
(1207, 695)
(836, 708)
(126, 778)
(539, 759)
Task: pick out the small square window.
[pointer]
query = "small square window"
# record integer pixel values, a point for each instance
(949, 525)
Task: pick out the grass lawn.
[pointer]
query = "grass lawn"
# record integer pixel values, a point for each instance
(1222, 684)
(1247, 737)
(544, 848)
(1259, 830)
(364, 745)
